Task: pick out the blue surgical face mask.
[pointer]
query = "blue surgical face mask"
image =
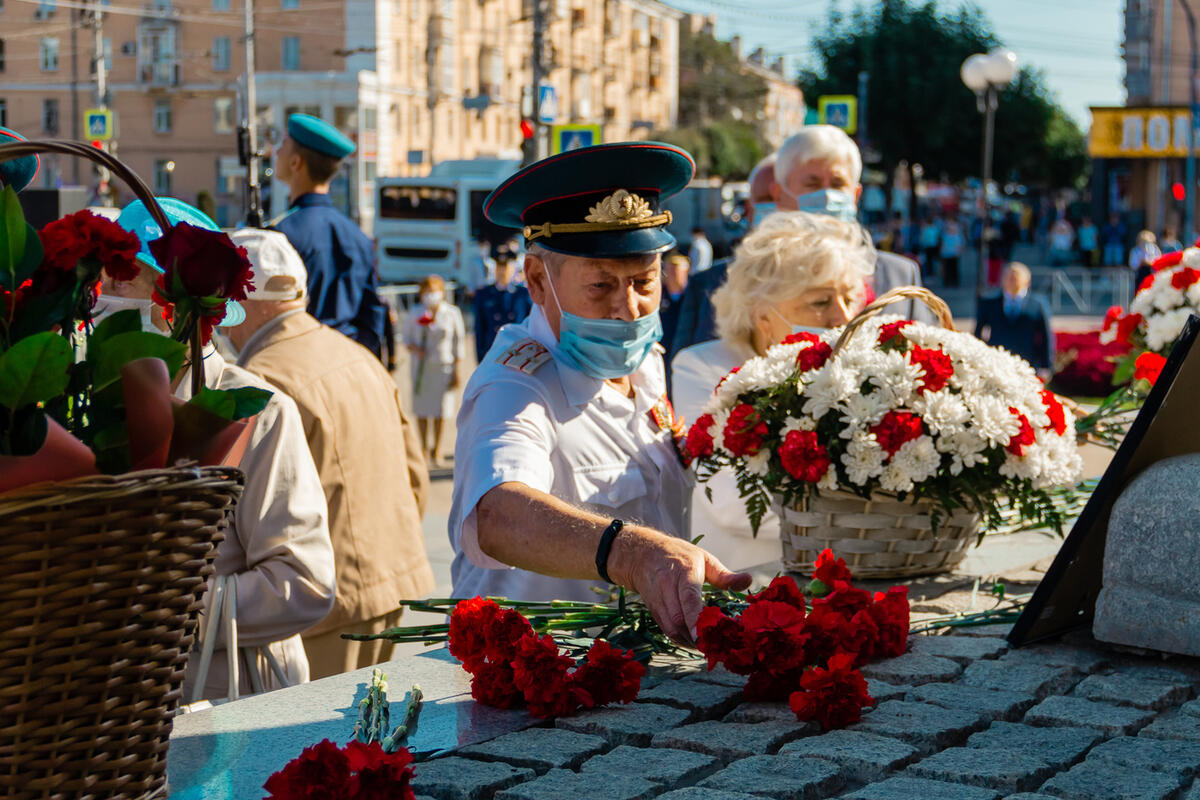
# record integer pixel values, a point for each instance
(799, 328)
(762, 211)
(605, 348)
(831, 202)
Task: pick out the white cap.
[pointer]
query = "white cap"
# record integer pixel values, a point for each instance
(279, 272)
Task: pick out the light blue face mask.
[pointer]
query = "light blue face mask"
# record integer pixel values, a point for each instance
(831, 202)
(605, 348)
(799, 328)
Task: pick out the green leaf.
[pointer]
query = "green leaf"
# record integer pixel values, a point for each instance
(232, 404)
(13, 233)
(127, 321)
(34, 370)
(117, 351)
(215, 401)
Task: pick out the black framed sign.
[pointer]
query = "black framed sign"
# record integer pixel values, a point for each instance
(1167, 425)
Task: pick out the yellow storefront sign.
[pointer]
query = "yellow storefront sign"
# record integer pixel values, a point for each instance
(1158, 132)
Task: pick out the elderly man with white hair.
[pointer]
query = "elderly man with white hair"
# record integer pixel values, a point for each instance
(366, 452)
(819, 170)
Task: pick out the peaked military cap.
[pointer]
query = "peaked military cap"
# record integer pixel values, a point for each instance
(597, 202)
(18, 172)
(317, 134)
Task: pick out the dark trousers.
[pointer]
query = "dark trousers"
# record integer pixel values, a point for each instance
(950, 270)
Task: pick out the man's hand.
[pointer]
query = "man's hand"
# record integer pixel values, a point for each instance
(668, 573)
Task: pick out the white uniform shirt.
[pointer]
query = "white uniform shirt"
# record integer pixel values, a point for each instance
(561, 432)
(723, 521)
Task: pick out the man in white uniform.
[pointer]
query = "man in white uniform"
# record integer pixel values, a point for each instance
(566, 469)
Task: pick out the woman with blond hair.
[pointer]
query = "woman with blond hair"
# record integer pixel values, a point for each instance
(436, 339)
(796, 271)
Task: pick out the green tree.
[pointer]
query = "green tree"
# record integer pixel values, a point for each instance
(727, 150)
(918, 109)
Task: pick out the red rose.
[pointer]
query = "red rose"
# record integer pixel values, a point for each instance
(492, 685)
(609, 675)
(744, 431)
(67, 241)
(895, 429)
(834, 696)
(1024, 437)
(469, 623)
(504, 633)
(891, 614)
(830, 569)
(1184, 278)
(782, 589)
(540, 672)
(1167, 260)
(1126, 327)
(813, 357)
(801, 336)
(1056, 412)
(890, 336)
(778, 635)
(699, 443)
(804, 458)
(723, 640)
(207, 264)
(1148, 367)
(320, 772)
(936, 366)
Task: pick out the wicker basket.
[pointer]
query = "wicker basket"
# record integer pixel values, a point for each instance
(101, 584)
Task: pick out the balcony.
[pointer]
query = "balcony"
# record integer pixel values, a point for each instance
(159, 74)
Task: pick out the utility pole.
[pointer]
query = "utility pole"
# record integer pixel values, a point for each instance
(533, 144)
(248, 152)
(75, 17)
(100, 70)
(1189, 213)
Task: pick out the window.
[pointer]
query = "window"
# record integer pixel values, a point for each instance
(220, 5)
(222, 48)
(417, 202)
(223, 115)
(44, 10)
(162, 116)
(370, 119)
(50, 116)
(289, 5)
(49, 53)
(162, 176)
(291, 52)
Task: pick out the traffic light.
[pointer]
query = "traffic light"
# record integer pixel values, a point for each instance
(1178, 192)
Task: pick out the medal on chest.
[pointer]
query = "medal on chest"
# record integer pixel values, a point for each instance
(663, 416)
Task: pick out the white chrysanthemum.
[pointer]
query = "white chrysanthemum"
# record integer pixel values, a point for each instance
(863, 409)
(895, 377)
(1163, 329)
(797, 424)
(966, 449)
(1167, 298)
(993, 420)
(1193, 295)
(863, 459)
(1191, 257)
(831, 385)
(720, 417)
(919, 459)
(759, 463)
(829, 480)
(944, 411)
(895, 478)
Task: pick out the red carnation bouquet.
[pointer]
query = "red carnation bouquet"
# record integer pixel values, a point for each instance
(808, 655)
(356, 771)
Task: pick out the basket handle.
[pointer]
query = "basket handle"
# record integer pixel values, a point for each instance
(19, 149)
(937, 304)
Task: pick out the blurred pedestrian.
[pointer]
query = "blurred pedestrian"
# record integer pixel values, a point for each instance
(700, 254)
(1018, 321)
(675, 271)
(951, 250)
(1169, 243)
(1089, 242)
(499, 304)
(1112, 238)
(1144, 253)
(371, 467)
(482, 268)
(930, 242)
(436, 338)
(1062, 240)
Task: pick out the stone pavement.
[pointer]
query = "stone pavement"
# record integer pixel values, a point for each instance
(959, 717)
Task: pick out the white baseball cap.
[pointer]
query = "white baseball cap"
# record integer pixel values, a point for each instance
(279, 272)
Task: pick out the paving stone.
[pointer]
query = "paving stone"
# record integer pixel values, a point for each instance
(730, 741)
(1174, 726)
(1005, 770)
(992, 704)
(705, 700)
(762, 712)
(913, 669)
(862, 757)
(999, 630)
(669, 768)
(721, 676)
(963, 649)
(1130, 690)
(1039, 680)
(881, 690)
(1157, 755)
(780, 777)
(1075, 711)
(540, 749)
(904, 788)
(1058, 747)
(1170, 671)
(1088, 781)
(1192, 708)
(669, 668)
(1194, 794)
(559, 783)
(698, 793)
(925, 727)
(455, 778)
(634, 724)
(1084, 659)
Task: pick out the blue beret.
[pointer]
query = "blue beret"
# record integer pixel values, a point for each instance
(317, 134)
(18, 172)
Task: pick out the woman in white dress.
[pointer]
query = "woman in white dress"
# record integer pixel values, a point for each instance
(436, 339)
(796, 271)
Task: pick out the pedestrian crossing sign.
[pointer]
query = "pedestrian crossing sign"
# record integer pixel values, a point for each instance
(840, 111)
(98, 124)
(573, 137)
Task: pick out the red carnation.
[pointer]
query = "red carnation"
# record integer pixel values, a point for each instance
(1126, 326)
(493, 685)
(1112, 317)
(1182, 279)
(769, 687)
(504, 633)
(699, 443)
(778, 635)
(782, 589)
(201, 270)
(859, 636)
(469, 623)
(1167, 260)
(1146, 283)
(609, 675)
(891, 613)
(890, 336)
(895, 429)
(723, 641)
(71, 239)
(824, 628)
(814, 356)
(744, 431)
(379, 775)
(1148, 367)
(936, 366)
(834, 696)
(830, 569)
(845, 599)
(540, 672)
(1056, 412)
(801, 336)
(1024, 436)
(320, 772)
(804, 458)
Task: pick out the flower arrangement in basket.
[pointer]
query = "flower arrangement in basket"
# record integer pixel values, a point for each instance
(888, 443)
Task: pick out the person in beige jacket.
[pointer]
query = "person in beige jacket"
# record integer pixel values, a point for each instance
(365, 448)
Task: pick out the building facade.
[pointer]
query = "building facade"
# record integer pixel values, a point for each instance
(414, 82)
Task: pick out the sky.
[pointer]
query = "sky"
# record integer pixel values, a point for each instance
(1076, 43)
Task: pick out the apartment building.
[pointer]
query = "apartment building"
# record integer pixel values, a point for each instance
(414, 82)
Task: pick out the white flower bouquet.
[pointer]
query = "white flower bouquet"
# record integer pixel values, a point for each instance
(1161, 306)
(890, 407)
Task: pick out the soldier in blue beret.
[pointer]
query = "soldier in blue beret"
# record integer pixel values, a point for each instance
(342, 282)
(17, 172)
(566, 469)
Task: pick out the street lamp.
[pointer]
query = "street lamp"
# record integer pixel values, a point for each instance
(986, 75)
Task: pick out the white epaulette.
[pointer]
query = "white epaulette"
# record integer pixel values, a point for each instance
(524, 356)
